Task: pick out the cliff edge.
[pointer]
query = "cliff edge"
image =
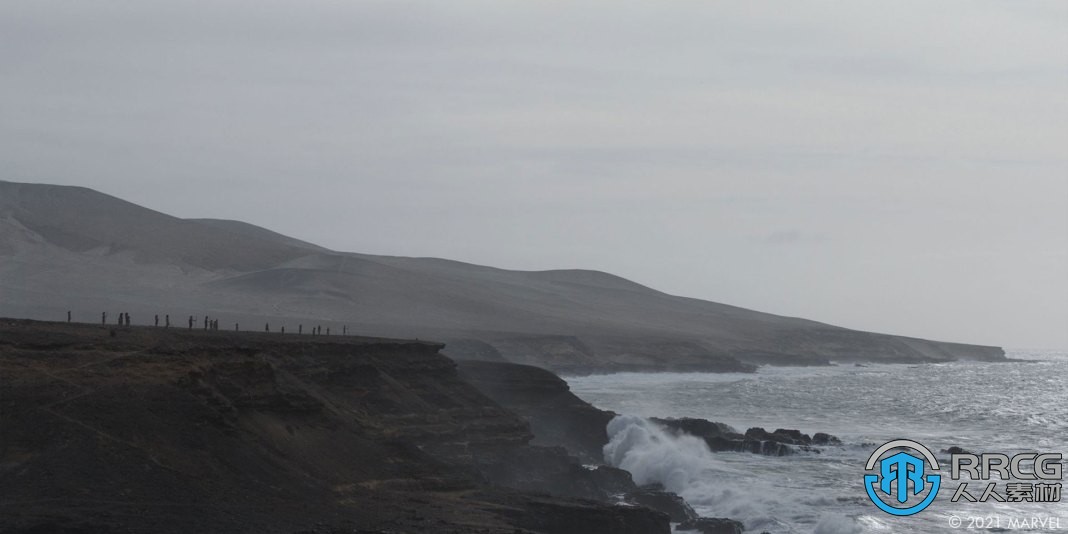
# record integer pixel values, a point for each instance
(170, 430)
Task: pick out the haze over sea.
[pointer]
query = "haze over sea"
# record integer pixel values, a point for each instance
(1012, 407)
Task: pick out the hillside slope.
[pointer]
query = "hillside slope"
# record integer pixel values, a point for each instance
(69, 248)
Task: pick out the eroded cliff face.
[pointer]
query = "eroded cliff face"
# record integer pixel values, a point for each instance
(168, 430)
(544, 400)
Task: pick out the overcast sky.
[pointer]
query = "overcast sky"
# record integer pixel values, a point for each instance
(895, 166)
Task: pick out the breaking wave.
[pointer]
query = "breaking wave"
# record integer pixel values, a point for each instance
(684, 465)
(653, 455)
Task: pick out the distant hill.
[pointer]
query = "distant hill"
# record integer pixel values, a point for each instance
(71, 248)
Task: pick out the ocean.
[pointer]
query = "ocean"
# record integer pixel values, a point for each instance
(1010, 408)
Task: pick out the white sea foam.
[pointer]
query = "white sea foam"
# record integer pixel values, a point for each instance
(993, 407)
(685, 465)
(837, 524)
(652, 455)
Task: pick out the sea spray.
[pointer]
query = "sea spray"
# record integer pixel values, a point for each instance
(685, 465)
(651, 454)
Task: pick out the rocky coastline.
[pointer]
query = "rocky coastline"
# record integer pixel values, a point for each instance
(117, 429)
(559, 418)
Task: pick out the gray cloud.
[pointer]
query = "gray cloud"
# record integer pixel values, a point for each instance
(924, 143)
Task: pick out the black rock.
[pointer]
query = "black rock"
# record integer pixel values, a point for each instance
(662, 501)
(612, 481)
(698, 427)
(781, 435)
(712, 525)
(721, 437)
(795, 435)
(819, 438)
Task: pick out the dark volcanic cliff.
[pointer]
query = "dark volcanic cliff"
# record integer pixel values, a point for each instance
(556, 416)
(168, 430)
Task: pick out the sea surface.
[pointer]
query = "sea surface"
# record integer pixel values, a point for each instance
(1012, 407)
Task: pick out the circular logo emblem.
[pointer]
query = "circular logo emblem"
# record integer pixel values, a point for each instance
(899, 478)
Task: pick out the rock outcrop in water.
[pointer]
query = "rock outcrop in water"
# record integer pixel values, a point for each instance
(721, 437)
(559, 418)
(168, 430)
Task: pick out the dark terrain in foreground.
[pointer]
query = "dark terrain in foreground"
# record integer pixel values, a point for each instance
(165, 430)
(144, 429)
